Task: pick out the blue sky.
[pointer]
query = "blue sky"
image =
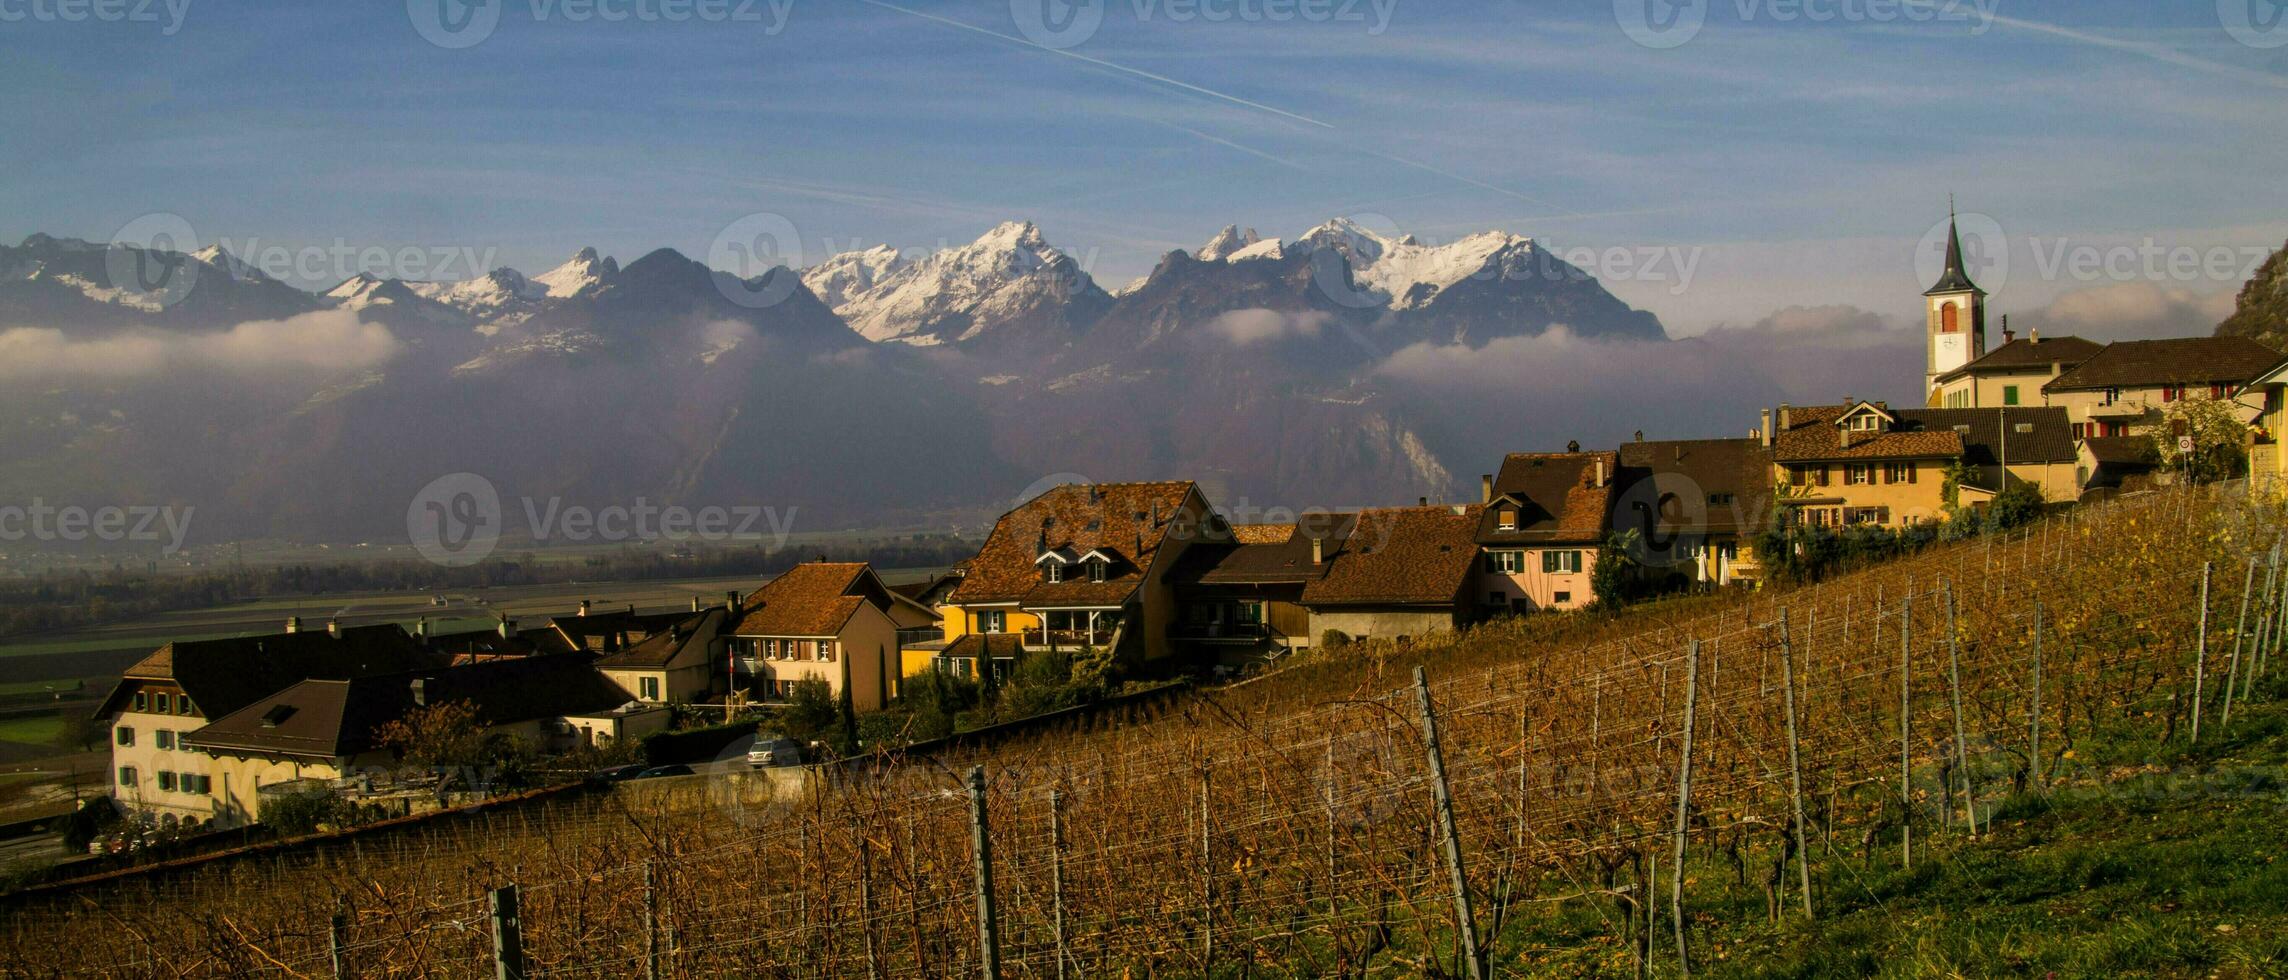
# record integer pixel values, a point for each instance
(1798, 162)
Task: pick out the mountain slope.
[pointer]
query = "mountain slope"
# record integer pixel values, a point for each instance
(1009, 287)
(2262, 314)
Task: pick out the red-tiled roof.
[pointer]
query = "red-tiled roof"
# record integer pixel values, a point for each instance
(810, 599)
(1129, 520)
(1812, 436)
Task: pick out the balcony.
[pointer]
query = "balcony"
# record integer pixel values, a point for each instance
(1221, 632)
(1067, 638)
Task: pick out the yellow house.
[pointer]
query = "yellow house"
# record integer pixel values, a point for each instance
(1080, 565)
(2267, 465)
(2013, 374)
(825, 621)
(680, 664)
(1866, 463)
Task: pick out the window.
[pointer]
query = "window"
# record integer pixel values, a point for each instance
(127, 776)
(1505, 562)
(2216, 392)
(1563, 597)
(2081, 431)
(2009, 394)
(826, 650)
(1505, 519)
(1729, 551)
(1055, 570)
(163, 738)
(2112, 395)
(142, 701)
(995, 621)
(650, 688)
(1866, 423)
(2022, 428)
(161, 703)
(1949, 319)
(1720, 500)
(1560, 562)
(183, 705)
(124, 735)
(1096, 569)
(1859, 473)
(166, 781)
(1898, 472)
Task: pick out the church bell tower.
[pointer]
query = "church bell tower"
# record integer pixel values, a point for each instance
(1955, 333)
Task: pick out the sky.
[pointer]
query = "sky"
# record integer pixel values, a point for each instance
(1731, 165)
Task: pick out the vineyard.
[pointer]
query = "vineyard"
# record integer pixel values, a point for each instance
(1559, 785)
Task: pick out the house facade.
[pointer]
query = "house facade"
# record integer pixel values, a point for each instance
(1694, 507)
(2013, 374)
(1543, 518)
(2267, 465)
(1083, 566)
(2129, 387)
(1396, 573)
(1839, 465)
(683, 663)
(833, 622)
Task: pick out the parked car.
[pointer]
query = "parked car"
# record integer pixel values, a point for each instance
(771, 751)
(617, 774)
(674, 769)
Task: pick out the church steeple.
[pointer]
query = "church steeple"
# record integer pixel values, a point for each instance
(1955, 331)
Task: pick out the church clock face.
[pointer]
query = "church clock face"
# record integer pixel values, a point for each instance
(1950, 350)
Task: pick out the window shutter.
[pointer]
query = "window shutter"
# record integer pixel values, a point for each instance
(1911, 472)
(1823, 474)
(1886, 474)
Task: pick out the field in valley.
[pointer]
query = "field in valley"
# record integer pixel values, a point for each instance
(1986, 752)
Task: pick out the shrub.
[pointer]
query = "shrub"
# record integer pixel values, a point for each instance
(1334, 640)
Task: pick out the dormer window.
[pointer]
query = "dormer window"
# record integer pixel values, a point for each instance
(1866, 423)
(1097, 569)
(1055, 570)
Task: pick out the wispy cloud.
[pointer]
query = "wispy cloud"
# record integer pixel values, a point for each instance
(324, 341)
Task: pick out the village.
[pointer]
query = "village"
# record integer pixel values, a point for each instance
(1086, 587)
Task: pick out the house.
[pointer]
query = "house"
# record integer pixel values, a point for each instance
(1243, 597)
(2013, 374)
(1866, 463)
(1544, 516)
(328, 729)
(1856, 464)
(919, 647)
(1083, 565)
(2128, 388)
(680, 664)
(183, 685)
(501, 642)
(1696, 505)
(2267, 465)
(827, 621)
(611, 631)
(2108, 465)
(1397, 572)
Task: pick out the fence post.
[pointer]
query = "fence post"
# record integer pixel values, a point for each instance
(1795, 763)
(651, 920)
(1057, 878)
(981, 847)
(334, 929)
(2034, 715)
(1684, 805)
(508, 935)
(1954, 688)
(2201, 651)
(2239, 639)
(1207, 877)
(1465, 923)
(866, 905)
(1906, 732)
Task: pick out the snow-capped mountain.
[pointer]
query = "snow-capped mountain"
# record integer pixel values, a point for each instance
(220, 257)
(1008, 280)
(365, 292)
(585, 269)
(1226, 242)
(487, 297)
(67, 283)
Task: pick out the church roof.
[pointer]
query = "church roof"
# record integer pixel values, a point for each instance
(1953, 280)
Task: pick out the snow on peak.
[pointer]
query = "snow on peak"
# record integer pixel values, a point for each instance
(584, 270)
(359, 291)
(1005, 273)
(220, 258)
(499, 291)
(1409, 272)
(1226, 242)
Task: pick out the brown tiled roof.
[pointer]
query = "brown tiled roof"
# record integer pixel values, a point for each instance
(664, 647)
(224, 675)
(2027, 354)
(336, 718)
(997, 645)
(2048, 435)
(1262, 533)
(1269, 554)
(2178, 360)
(1740, 469)
(1401, 556)
(1812, 436)
(1559, 496)
(811, 599)
(1129, 520)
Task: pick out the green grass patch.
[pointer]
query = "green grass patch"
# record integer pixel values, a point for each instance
(33, 730)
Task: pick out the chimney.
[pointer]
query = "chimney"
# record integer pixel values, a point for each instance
(334, 628)
(1764, 433)
(1486, 489)
(1318, 551)
(1640, 435)
(1421, 501)
(421, 629)
(420, 692)
(508, 629)
(1678, 453)
(1600, 471)
(731, 601)
(1573, 446)
(695, 604)
(1785, 417)
(2034, 335)
(584, 606)
(293, 624)
(2007, 334)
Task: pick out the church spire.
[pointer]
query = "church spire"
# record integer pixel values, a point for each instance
(1954, 279)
